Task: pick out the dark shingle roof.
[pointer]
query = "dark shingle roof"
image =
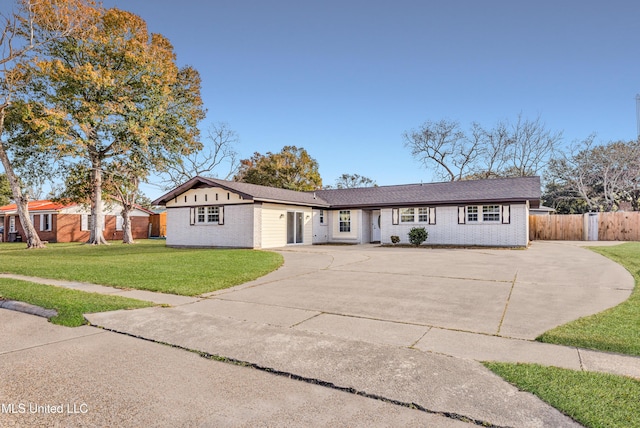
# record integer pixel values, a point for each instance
(248, 191)
(454, 192)
(497, 190)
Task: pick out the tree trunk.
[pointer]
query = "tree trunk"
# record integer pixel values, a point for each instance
(127, 235)
(97, 216)
(32, 239)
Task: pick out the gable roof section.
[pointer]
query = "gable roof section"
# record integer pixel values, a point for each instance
(499, 190)
(247, 191)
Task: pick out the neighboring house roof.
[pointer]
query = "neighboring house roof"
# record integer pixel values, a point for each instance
(499, 190)
(49, 206)
(518, 189)
(543, 210)
(35, 206)
(143, 209)
(247, 191)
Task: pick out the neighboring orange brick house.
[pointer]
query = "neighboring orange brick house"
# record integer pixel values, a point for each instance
(57, 222)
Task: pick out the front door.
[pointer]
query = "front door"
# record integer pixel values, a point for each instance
(375, 226)
(295, 227)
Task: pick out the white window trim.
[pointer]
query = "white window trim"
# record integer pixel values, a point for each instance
(216, 214)
(480, 213)
(498, 212)
(403, 216)
(119, 223)
(84, 222)
(42, 222)
(407, 215)
(195, 216)
(347, 222)
(12, 224)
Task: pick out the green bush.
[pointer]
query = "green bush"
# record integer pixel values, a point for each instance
(395, 239)
(418, 235)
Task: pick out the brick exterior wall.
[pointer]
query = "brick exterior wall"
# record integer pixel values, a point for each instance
(139, 228)
(67, 228)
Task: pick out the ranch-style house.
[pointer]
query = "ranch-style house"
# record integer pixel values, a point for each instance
(207, 212)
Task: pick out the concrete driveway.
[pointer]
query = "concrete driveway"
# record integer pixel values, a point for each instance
(397, 294)
(386, 322)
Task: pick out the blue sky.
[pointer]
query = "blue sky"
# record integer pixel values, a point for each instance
(344, 79)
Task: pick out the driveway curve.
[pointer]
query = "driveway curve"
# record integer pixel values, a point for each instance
(499, 292)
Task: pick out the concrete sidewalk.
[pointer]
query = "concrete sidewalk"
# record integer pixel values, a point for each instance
(461, 388)
(84, 376)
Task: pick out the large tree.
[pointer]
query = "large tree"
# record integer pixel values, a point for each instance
(604, 176)
(517, 149)
(292, 168)
(29, 25)
(115, 93)
(444, 146)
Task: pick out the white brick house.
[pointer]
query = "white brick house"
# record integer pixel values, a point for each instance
(208, 212)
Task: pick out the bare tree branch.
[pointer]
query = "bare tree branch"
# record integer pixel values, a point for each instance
(218, 152)
(506, 150)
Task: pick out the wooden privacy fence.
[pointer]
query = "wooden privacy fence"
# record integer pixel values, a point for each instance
(613, 226)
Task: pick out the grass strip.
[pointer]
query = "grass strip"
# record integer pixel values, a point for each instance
(616, 329)
(148, 265)
(593, 399)
(70, 304)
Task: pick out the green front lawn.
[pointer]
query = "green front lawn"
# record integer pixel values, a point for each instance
(593, 399)
(615, 330)
(148, 265)
(70, 304)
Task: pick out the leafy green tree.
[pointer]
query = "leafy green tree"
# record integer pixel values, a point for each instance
(111, 94)
(5, 190)
(29, 25)
(292, 168)
(563, 199)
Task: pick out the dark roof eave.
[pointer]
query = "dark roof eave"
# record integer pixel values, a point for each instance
(306, 204)
(532, 201)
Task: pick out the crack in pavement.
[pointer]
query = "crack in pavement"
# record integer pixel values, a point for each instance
(319, 382)
(506, 306)
(424, 275)
(40, 345)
